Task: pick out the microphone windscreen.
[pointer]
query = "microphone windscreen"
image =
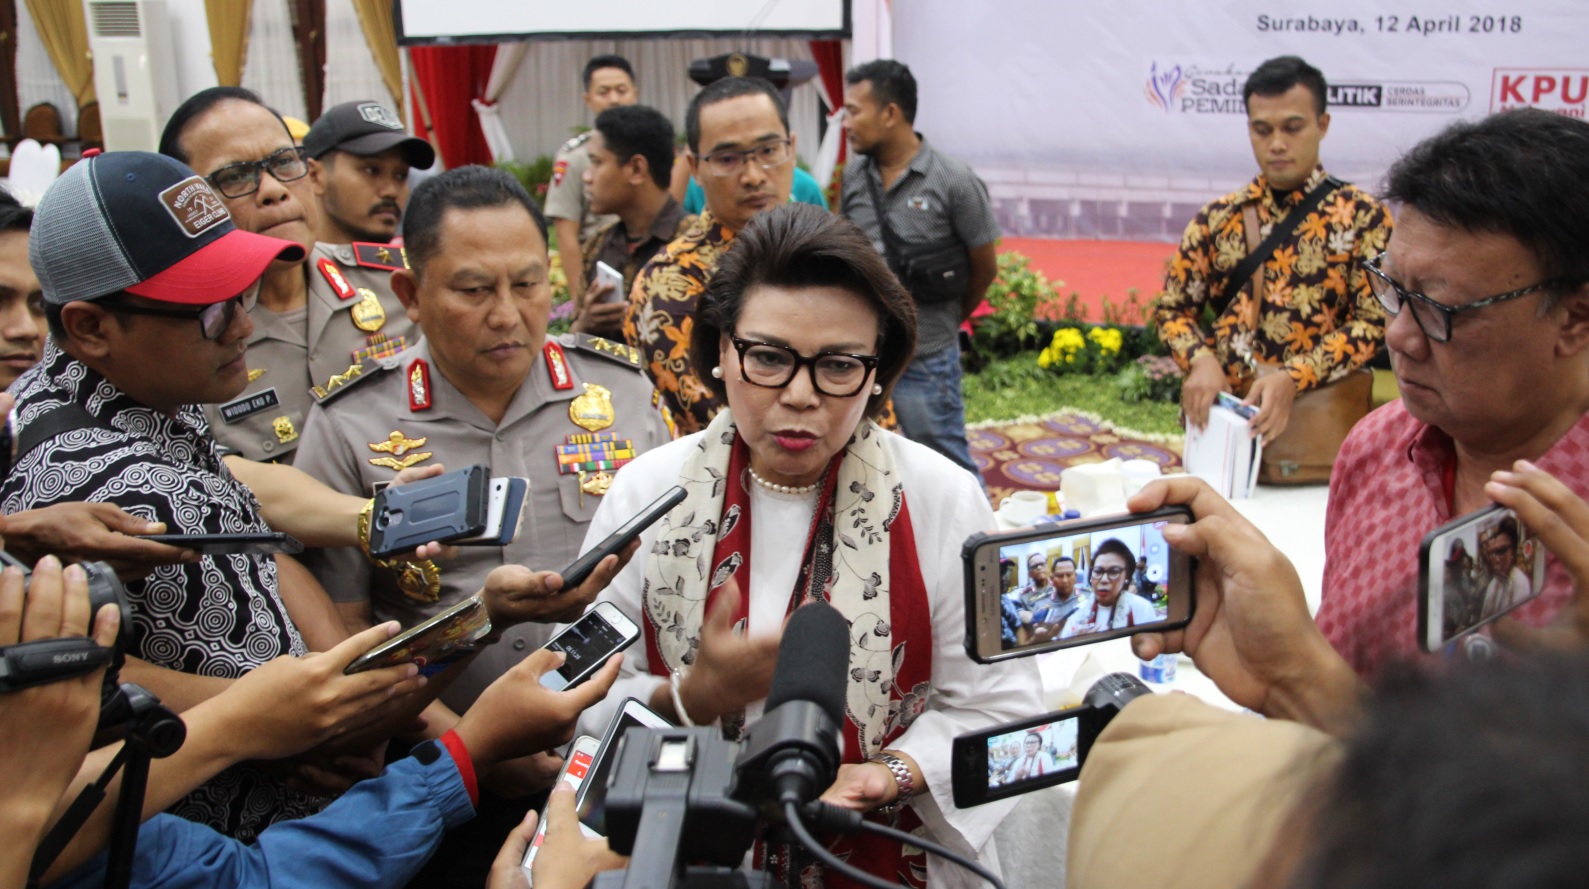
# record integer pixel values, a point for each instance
(813, 660)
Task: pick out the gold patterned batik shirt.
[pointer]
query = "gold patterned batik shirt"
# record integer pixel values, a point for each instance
(662, 313)
(1319, 319)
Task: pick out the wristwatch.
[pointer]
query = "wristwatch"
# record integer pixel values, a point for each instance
(907, 784)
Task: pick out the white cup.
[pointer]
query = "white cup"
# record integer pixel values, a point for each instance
(1138, 473)
(1023, 506)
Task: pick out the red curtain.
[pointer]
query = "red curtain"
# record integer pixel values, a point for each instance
(829, 56)
(449, 78)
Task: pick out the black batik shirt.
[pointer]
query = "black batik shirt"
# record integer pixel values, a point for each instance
(221, 616)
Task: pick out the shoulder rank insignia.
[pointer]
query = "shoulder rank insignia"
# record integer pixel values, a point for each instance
(619, 352)
(255, 373)
(379, 256)
(418, 385)
(334, 277)
(592, 410)
(404, 451)
(576, 141)
(340, 383)
(557, 366)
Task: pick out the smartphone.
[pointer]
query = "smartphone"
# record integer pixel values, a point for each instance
(433, 644)
(588, 643)
(1018, 757)
(1473, 570)
(581, 755)
(575, 574)
(444, 508)
(592, 797)
(251, 544)
(504, 515)
(605, 274)
(1073, 583)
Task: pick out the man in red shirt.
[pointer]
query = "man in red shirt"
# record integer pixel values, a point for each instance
(1486, 283)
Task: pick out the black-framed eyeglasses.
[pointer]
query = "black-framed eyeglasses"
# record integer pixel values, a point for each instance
(213, 319)
(771, 366)
(242, 178)
(1433, 318)
(730, 161)
(1109, 573)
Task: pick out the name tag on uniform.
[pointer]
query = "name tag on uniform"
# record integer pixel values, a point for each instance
(248, 405)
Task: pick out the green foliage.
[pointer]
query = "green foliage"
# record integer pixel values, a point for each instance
(535, 176)
(1150, 378)
(1014, 387)
(1015, 295)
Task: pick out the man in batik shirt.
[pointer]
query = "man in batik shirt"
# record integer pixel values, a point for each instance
(1318, 319)
(742, 153)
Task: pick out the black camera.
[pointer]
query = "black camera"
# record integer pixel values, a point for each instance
(1019, 757)
(49, 660)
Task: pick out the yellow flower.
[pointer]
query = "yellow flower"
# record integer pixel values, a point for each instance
(1109, 339)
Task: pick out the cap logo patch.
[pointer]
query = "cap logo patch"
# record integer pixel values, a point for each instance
(380, 115)
(194, 206)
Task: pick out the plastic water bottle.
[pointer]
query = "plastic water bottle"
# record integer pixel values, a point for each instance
(1159, 670)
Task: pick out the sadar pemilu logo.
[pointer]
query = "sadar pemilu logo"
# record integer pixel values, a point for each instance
(1195, 89)
(194, 206)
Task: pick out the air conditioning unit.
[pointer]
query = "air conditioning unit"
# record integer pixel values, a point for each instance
(133, 70)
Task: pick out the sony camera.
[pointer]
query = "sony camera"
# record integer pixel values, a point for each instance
(28, 664)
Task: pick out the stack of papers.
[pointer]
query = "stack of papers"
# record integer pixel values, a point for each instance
(1224, 453)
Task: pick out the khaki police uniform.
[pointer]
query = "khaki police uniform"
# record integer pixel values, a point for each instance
(402, 412)
(565, 194)
(351, 316)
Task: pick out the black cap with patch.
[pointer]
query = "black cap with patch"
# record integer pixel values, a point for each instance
(366, 128)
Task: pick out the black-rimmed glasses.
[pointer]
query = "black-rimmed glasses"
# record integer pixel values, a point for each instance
(730, 161)
(242, 178)
(1433, 318)
(771, 366)
(213, 319)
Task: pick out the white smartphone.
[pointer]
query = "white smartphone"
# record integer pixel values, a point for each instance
(581, 756)
(588, 643)
(1474, 569)
(592, 797)
(504, 513)
(607, 274)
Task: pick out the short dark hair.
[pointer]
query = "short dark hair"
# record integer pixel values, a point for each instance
(1467, 779)
(722, 91)
(13, 216)
(471, 187)
(800, 245)
(196, 106)
(892, 84)
(629, 130)
(1113, 546)
(1522, 173)
(1280, 74)
(1063, 559)
(607, 61)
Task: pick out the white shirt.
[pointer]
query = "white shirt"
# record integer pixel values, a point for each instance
(1499, 595)
(946, 507)
(1129, 610)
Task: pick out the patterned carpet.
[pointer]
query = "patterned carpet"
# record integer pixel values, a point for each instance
(1029, 453)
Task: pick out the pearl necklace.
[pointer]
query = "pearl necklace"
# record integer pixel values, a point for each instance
(782, 489)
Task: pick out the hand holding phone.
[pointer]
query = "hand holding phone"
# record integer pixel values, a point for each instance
(264, 543)
(588, 643)
(446, 507)
(1473, 570)
(576, 766)
(576, 573)
(606, 274)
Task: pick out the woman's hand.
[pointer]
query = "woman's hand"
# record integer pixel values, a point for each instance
(731, 669)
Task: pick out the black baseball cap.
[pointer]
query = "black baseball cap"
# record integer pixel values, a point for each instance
(365, 128)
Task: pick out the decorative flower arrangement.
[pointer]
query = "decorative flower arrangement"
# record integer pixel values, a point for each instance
(1151, 378)
(1086, 350)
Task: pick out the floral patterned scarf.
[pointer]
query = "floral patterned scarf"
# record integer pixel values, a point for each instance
(860, 556)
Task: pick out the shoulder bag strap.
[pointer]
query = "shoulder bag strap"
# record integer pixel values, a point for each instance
(891, 251)
(58, 420)
(1282, 230)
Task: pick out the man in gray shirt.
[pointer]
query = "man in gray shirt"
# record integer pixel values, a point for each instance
(933, 207)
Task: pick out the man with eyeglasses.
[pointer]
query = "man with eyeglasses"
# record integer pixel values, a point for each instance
(147, 286)
(742, 153)
(919, 205)
(1486, 283)
(318, 317)
(1305, 316)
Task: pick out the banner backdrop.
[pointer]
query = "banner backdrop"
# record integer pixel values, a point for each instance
(1119, 119)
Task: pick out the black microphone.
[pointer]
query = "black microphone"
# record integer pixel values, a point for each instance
(791, 754)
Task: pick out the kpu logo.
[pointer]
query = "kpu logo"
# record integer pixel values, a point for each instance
(1562, 90)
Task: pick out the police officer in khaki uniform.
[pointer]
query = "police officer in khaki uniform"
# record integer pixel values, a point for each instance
(485, 385)
(609, 82)
(315, 318)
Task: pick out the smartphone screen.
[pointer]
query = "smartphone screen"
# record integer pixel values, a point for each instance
(588, 643)
(1474, 570)
(1020, 758)
(575, 769)
(1076, 582)
(593, 795)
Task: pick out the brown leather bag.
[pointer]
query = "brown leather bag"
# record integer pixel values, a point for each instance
(1320, 418)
